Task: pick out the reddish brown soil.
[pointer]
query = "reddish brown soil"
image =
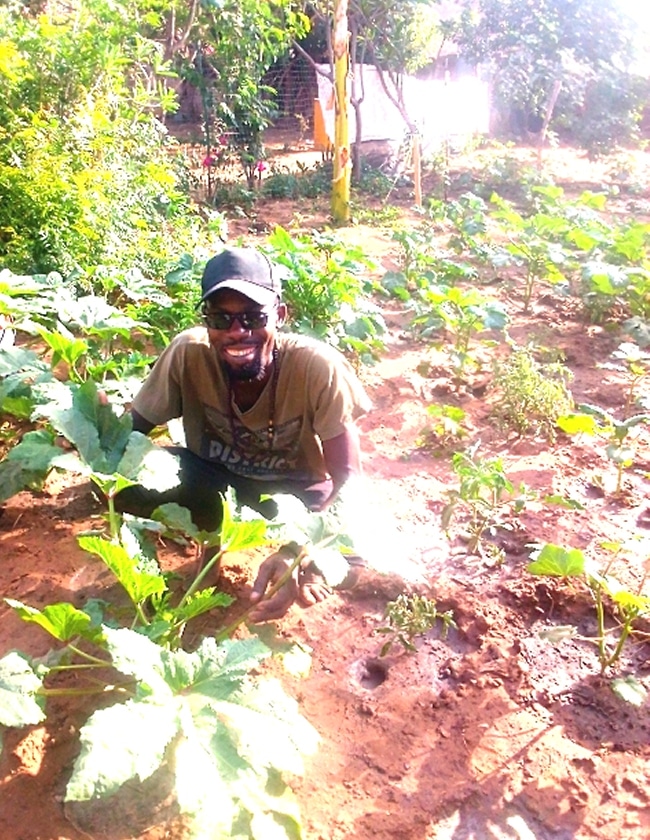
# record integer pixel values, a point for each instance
(490, 733)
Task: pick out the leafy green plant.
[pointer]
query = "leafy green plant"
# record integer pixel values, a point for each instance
(462, 314)
(530, 245)
(486, 493)
(422, 264)
(593, 420)
(634, 364)
(225, 737)
(200, 714)
(326, 293)
(626, 607)
(530, 395)
(302, 182)
(469, 216)
(409, 616)
(446, 429)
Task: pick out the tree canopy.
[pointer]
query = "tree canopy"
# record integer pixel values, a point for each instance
(531, 45)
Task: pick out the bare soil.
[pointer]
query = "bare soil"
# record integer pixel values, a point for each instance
(490, 733)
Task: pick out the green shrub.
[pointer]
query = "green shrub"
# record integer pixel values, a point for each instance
(531, 394)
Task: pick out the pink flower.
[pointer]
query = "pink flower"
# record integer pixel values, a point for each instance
(209, 160)
(260, 166)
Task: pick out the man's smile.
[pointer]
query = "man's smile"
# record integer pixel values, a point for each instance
(240, 351)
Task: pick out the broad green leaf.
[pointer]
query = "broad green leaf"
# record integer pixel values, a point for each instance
(629, 689)
(201, 602)
(96, 316)
(269, 699)
(264, 826)
(218, 669)
(13, 359)
(119, 743)
(177, 518)
(263, 805)
(574, 424)
(238, 536)
(13, 479)
(135, 655)
(20, 407)
(138, 445)
(200, 788)
(64, 347)
(138, 585)
(261, 740)
(98, 434)
(159, 470)
(629, 602)
(35, 451)
(19, 703)
(111, 485)
(63, 621)
(556, 561)
(563, 501)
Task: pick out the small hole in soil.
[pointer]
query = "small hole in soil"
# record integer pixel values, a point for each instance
(372, 673)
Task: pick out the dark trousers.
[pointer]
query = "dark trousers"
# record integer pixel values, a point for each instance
(202, 481)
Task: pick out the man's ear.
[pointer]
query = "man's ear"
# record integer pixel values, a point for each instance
(282, 313)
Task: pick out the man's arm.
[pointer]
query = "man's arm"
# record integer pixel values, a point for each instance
(342, 456)
(140, 423)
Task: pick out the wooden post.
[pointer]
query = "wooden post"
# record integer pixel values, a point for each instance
(342, 161)
(417, 170)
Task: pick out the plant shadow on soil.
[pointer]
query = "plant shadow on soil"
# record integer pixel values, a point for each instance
(488, 734)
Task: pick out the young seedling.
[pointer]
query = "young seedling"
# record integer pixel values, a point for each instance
(594, 420)
(487, 493)
(409, 616)
(446, 430)
(634, 364)
(627, 608)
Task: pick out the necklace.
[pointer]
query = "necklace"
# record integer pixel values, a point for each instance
(270, 427)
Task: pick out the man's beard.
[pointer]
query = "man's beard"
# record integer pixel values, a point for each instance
(254, 370)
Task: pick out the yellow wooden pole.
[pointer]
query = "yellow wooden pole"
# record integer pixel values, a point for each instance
(342, 160)
(417, 170)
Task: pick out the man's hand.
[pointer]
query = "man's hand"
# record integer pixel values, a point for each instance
(270, 572)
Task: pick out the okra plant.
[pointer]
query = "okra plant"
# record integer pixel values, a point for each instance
(610, 596)
(226, 735)
(634, 363)
(593, 420)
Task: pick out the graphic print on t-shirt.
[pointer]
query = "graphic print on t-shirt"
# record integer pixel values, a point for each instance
(250, 453)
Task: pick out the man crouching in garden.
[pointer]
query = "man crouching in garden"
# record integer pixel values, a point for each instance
(263, 412)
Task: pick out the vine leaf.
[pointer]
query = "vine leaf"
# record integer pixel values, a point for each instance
(556, 561)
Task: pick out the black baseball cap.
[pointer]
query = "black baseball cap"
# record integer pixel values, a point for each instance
(244, 270)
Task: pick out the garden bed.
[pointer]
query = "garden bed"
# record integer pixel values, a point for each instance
(489, 733)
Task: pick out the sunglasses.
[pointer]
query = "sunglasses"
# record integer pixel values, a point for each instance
(247, 320)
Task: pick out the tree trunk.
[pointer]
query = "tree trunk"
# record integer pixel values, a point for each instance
(342, 162)
(550, 107)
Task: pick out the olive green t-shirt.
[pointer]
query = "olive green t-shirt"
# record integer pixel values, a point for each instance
(317, 395)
